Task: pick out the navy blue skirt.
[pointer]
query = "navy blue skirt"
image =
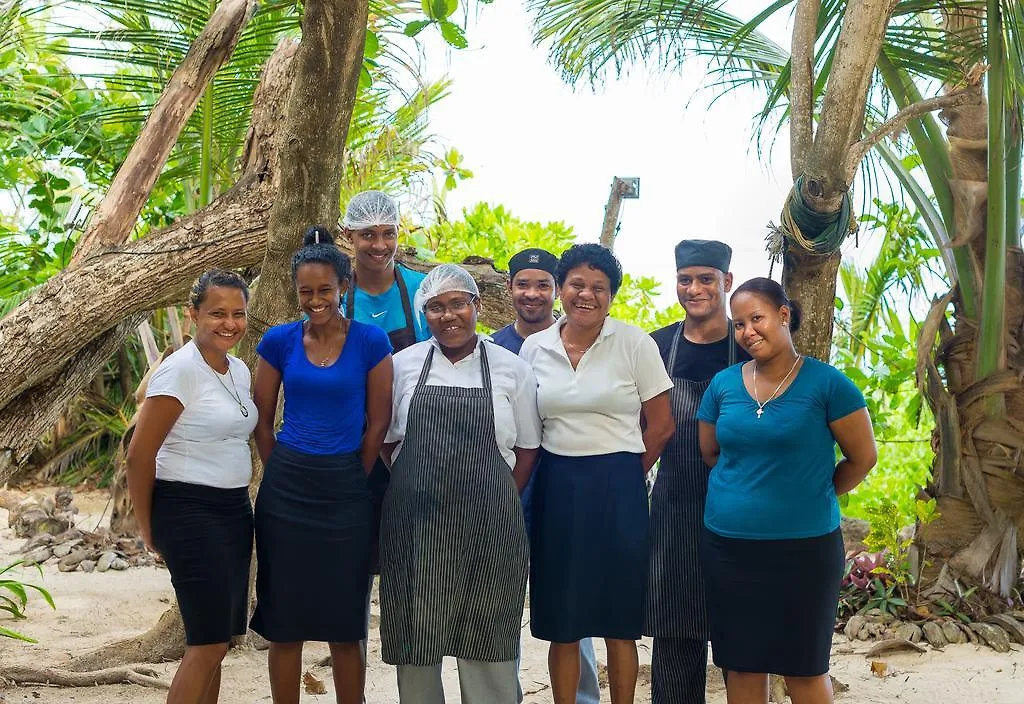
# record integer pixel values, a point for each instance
(588, 548)
(204, 535)
(792, 586)
(314, 526)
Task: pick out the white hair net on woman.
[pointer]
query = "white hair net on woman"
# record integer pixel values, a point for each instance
(370, 208)
(445, 278)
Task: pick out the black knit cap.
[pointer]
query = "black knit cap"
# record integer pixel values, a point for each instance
(532, 258)
(712, 253)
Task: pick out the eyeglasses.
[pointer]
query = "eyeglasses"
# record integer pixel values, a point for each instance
(458, 307)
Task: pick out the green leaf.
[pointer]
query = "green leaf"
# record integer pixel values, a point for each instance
(414, 28)
(454, 35)
(371, 47)
(8, 633)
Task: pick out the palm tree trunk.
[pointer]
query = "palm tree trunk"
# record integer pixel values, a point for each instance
(977, 482)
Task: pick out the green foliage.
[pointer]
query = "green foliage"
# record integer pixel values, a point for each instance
(491, 231)
(636, 303)
(875, 346)
(14, 599)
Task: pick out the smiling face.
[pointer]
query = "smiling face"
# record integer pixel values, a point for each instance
(586, 296)
(761, 328)
(375, 246)
(319, 291)
(220, 319)
(533, 295)
(701, 291)
(451, 318)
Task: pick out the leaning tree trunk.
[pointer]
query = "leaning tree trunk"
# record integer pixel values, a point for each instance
(978, 476)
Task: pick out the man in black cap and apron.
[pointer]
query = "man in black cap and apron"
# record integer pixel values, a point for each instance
(531, 281)
(694, 351)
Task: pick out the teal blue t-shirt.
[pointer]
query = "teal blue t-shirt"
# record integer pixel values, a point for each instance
(385, 310)
(773, 479)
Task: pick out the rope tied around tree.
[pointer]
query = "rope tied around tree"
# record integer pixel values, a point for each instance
(814, 232)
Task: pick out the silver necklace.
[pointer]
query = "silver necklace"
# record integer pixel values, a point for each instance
(760, 406)
(233, 391)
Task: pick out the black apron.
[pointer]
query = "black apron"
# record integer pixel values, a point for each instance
(400, 339)
(454, 552)
(675, 595)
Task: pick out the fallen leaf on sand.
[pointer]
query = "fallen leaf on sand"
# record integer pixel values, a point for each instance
(887, 646)
(313, 684)
(878, 668)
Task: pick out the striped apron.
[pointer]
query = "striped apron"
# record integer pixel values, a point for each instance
(675, 593)
(454, 551)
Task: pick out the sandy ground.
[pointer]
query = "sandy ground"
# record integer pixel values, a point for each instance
(94, 609)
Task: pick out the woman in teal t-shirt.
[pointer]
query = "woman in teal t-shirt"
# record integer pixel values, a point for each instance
(768, 430)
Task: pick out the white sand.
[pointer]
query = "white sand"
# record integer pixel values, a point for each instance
(94, 609)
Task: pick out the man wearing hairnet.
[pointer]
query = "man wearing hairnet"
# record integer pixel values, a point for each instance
(382, 290)
(464, 436)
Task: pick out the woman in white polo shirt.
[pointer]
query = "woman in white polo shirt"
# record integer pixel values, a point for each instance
(464, 436)
(188, 475)
(597, 378)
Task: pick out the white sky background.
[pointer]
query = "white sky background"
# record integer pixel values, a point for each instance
(549, 151)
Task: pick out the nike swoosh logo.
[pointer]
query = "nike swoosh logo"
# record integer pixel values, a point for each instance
(377, 315)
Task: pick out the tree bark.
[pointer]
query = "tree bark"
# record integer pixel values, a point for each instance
(117, 213)
(978, 482)
(811, 278)
(327, 66)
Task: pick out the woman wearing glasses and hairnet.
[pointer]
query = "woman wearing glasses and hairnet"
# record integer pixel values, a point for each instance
(454, 552)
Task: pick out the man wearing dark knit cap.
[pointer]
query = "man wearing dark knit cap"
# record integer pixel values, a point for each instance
(694, 350)
(531, 281)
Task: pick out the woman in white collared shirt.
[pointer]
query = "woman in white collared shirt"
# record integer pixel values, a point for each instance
(597, 379)
(463, 439)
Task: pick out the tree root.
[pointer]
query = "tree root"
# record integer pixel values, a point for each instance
(164, 642)
(56, 677)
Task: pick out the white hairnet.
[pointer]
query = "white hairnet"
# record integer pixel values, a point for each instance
(370, 208)
(445, 278)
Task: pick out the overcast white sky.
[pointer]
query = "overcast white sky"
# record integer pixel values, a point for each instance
(549, 151)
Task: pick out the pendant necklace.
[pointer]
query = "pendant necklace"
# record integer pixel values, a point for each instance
(760, 406)
(233, 391)
(344, 330)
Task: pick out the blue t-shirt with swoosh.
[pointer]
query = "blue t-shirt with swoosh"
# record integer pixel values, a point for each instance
(773, 479)
(384, 310)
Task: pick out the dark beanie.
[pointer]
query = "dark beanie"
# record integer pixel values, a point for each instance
(532, 259)
(712, 253)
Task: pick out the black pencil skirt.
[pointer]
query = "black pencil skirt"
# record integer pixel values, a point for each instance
(792, 589)
(589, 548)
(205, 536)
(314, 526)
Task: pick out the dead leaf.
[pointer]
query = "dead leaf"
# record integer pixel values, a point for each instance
(892, 644)
(878, 668)
(313, 684)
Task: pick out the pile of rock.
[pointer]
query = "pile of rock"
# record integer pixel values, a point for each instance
(997, 632)
(76, 549)
(48, 525)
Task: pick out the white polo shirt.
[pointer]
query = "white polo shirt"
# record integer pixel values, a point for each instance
(516, 423)
(595, 409)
